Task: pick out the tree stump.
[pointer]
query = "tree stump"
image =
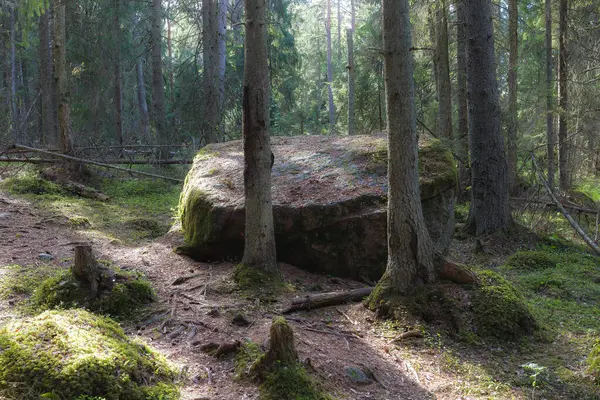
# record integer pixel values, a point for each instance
(282, 351)
(89, 272)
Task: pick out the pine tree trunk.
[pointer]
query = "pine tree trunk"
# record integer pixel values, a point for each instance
(410, 250)
(61, 76)
(170, 52)
(513, 15)
(489, 211)
(48, 128)
(14, 110)
(158, 88)
(259, 249)
(222, 48)
(550, 140)
(339, 29)
(351, 81)
(330, 71)
(118, 92)
(211, 60)
(563, 140)
(462, 143)
(444, 89)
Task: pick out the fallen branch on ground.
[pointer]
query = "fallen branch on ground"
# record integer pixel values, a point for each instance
(309, 302)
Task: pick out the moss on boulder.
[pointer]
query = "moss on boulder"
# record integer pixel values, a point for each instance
(329, 202)
(66, 354)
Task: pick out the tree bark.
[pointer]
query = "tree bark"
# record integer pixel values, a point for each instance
(339, 30)
(170, 52)
(411, 253)
(210, 81)
(351, 84)
(550, 141)
(563, 141)
(61, 76)
(118, 92)
(48, 128)
(462, 142)
(14, 109)
(158, 88)
(259, 244)
(330, 70)
(442, 65)
(489, 211)
(222, 57)
(513, 15)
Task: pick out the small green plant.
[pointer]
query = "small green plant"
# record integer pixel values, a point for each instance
(537, 375)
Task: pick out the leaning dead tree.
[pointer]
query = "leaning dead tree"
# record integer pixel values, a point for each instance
(562, 209)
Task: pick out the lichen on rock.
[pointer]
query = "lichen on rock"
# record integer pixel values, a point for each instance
(70, 353)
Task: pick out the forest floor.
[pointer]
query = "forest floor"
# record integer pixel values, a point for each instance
(202, 310)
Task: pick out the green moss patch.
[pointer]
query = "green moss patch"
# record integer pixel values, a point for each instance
(62, 290)
(66, 354)
(290, 382)
(248, 354)
(594, 362)
(258, 282)
(32, 184)
(499, 310)
(531, 260)
(22, 281)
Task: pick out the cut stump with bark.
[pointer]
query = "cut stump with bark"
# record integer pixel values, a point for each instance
(282, 350)
(89, 272)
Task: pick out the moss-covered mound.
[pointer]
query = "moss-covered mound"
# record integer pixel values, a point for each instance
(492, 309)
(283, 382)
(531, 260)
(329, 202)
(130, 292)
(594, 362)
(499, 310)
(66, 354)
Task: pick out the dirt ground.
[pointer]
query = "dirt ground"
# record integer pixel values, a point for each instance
(201, 311)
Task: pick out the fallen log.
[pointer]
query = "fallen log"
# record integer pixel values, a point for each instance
(319, 300)
(98, 164)
(111, 162)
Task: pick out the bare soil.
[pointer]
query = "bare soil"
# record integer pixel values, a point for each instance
(201, 311)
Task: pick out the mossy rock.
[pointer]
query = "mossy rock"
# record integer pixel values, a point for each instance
(329, 198)
(73, 353)
(531, 260)
(130, 292)
(499, 310)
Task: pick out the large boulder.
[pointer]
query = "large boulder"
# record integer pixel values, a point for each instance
(329, 202)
